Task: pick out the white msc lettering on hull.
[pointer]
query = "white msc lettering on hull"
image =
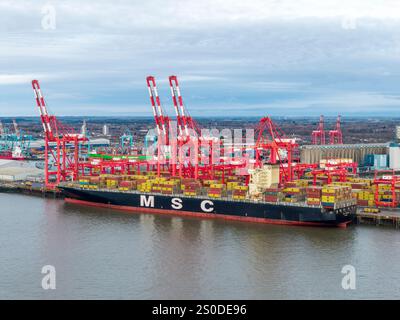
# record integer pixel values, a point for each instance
(204, 207)
(146, 201)
(176, 203)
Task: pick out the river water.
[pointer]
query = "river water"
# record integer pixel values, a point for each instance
(106, 254)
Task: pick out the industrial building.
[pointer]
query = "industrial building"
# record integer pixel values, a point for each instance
(358, 152)
(11, 170)
(94, 143)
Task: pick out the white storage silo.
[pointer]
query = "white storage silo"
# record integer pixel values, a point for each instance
(380, 161)
(106, 130)
(398, 133)
(394, 156)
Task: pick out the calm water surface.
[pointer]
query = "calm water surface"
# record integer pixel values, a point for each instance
(100, 254)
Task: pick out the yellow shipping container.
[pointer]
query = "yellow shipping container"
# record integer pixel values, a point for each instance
(214, 195)
(243, 188)
(371, 203)
(296, 190)
(231, 185)
(217, 185)
(191, 193)
(328, 199)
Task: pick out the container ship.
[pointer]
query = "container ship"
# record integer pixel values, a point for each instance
(294, 204)
(10, 156)
(15, 154)
(195, 172)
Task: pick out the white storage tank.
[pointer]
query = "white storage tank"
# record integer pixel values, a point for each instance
(394, 156)
(380, 161)
(398, 133)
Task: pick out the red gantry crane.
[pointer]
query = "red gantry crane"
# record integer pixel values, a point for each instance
(163, 126)
(318, 135)
(388, 178)
(272, 143)
(58, 139)
(199, 152)
(335, 136)
(335, 168)
(190, 153)
(189, 134)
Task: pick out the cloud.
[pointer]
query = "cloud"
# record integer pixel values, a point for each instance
(196, 14)
(277, 86)
(350, 103)
(225, 53)
(11, 79)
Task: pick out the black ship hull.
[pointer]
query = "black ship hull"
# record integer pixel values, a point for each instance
(251, 211)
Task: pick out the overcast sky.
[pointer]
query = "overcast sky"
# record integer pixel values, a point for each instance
(232, 57)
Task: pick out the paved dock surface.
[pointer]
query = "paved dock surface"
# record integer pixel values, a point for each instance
(17, 187)
(384, 217)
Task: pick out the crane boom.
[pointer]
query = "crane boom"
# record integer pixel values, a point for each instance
(156, 105)
(44, 115)
(190, 126)
(179, 116)
(16, 129)
(179, 109)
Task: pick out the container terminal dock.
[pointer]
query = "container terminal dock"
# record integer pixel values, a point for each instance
(275, 178)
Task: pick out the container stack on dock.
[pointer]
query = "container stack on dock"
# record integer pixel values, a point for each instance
(365, 197)
(385, 193)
